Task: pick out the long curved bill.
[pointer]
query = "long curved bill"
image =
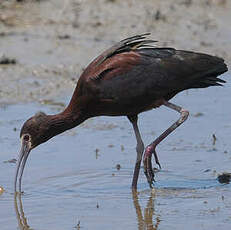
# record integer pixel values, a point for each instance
(23, 155)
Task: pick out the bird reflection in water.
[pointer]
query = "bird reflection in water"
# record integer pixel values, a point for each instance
(22, 221)
(145, 222)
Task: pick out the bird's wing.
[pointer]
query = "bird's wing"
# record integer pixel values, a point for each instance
(157, 72)
(126, 45)
(96, 69)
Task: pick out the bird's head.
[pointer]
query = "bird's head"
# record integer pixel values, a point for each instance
(34, 132)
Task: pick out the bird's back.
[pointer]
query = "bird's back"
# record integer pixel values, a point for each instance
(135, 76)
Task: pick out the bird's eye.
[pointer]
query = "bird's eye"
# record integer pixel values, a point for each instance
(26, 138)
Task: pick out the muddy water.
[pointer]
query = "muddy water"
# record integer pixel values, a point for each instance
(72, 181)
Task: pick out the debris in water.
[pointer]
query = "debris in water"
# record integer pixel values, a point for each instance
(97, 206)
(118, 167)
(78, 225)
(224, 178)
(207, 170)
(1, 190)
(198, 160)
(214, 139)
(199, 114)
(11, 161)
(96, 150)
(96, 153)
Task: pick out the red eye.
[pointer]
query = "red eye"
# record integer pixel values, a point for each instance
(26, 138)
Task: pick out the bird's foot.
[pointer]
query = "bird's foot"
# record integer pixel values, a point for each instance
(147, 160)
(148, 171)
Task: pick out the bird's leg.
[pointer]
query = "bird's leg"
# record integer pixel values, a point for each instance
(151, 149)
(139, 149)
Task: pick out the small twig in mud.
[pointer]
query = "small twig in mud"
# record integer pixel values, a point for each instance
(76, 11)
(187, 2)
(214, 139)
(65, 36)
(159, 16)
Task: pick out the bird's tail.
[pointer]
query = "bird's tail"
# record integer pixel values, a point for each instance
(210, 77)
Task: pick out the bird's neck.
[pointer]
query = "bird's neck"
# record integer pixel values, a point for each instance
(68, 119)
(62, 122)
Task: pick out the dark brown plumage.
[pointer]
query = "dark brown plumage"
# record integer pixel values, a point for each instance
(129, 78)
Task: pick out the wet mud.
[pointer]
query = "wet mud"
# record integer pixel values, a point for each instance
(81, 179)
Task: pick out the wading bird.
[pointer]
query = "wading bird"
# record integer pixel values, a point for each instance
(129, 78)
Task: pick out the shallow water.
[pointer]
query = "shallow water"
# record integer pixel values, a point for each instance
(71, 182)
